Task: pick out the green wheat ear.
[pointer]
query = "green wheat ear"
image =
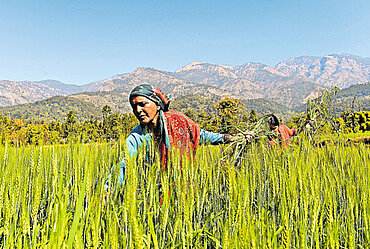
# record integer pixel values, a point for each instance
(302, 197)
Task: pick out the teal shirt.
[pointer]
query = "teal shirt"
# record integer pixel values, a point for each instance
(138, 136)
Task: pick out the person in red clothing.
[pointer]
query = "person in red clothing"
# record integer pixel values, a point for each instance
(283, 132)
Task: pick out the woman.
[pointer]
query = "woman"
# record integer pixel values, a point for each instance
(283, 132)
(167, 128)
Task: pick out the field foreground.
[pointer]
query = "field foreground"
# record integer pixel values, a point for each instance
(311, 197)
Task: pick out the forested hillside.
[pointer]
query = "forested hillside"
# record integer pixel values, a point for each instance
(87, 104)
(53, 109)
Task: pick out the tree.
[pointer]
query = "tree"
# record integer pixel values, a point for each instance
(69, 126)
(106, 111)
(34, 134)
(252, 118)
(230, 112)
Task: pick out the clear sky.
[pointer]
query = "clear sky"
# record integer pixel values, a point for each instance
(80, 42)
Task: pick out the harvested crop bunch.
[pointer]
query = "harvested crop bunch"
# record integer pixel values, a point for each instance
(321, 112)
(256, 132)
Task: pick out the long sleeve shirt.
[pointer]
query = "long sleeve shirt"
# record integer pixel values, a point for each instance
(138, 136)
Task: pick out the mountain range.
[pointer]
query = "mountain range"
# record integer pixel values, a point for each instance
(290, 83)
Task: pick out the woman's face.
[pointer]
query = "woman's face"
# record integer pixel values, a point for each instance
(145, 110)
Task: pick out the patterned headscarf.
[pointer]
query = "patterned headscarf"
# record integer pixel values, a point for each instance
(152, 93)
(155, 95)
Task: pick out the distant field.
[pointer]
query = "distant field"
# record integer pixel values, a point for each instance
(297, 198)
(359, 134)
(344, 137)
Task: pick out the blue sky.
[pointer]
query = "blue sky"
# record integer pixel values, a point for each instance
(80, 42)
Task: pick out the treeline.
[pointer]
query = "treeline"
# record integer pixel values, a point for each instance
(53, 109)
(112, 127)
(353, 122)
(229, 116)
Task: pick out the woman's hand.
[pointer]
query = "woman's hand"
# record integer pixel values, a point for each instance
(239, 136)
(310, 122)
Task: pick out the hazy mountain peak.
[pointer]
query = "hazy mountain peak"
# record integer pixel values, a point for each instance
(50, 81)
(116, 76)
(192, 66)
(19, 92)
(144, 69)
(254, 64)
(330, 70)
(291, 81)
(228, 67)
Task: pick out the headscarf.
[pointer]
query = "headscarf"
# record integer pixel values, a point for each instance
(176, 128)
(155, 95)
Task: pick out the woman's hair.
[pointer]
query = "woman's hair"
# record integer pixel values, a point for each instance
(273, 120)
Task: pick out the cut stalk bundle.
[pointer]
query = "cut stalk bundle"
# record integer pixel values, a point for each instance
(321, 112)
(256, 132)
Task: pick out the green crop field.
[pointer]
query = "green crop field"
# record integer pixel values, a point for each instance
(304, 197)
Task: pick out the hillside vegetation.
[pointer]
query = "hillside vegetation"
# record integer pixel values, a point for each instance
(87, 104)
(53, 109)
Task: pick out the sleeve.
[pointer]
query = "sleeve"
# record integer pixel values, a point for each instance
(285, 131)
(121, 175)
(289, 132)
(133, 142)
(208, 137)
